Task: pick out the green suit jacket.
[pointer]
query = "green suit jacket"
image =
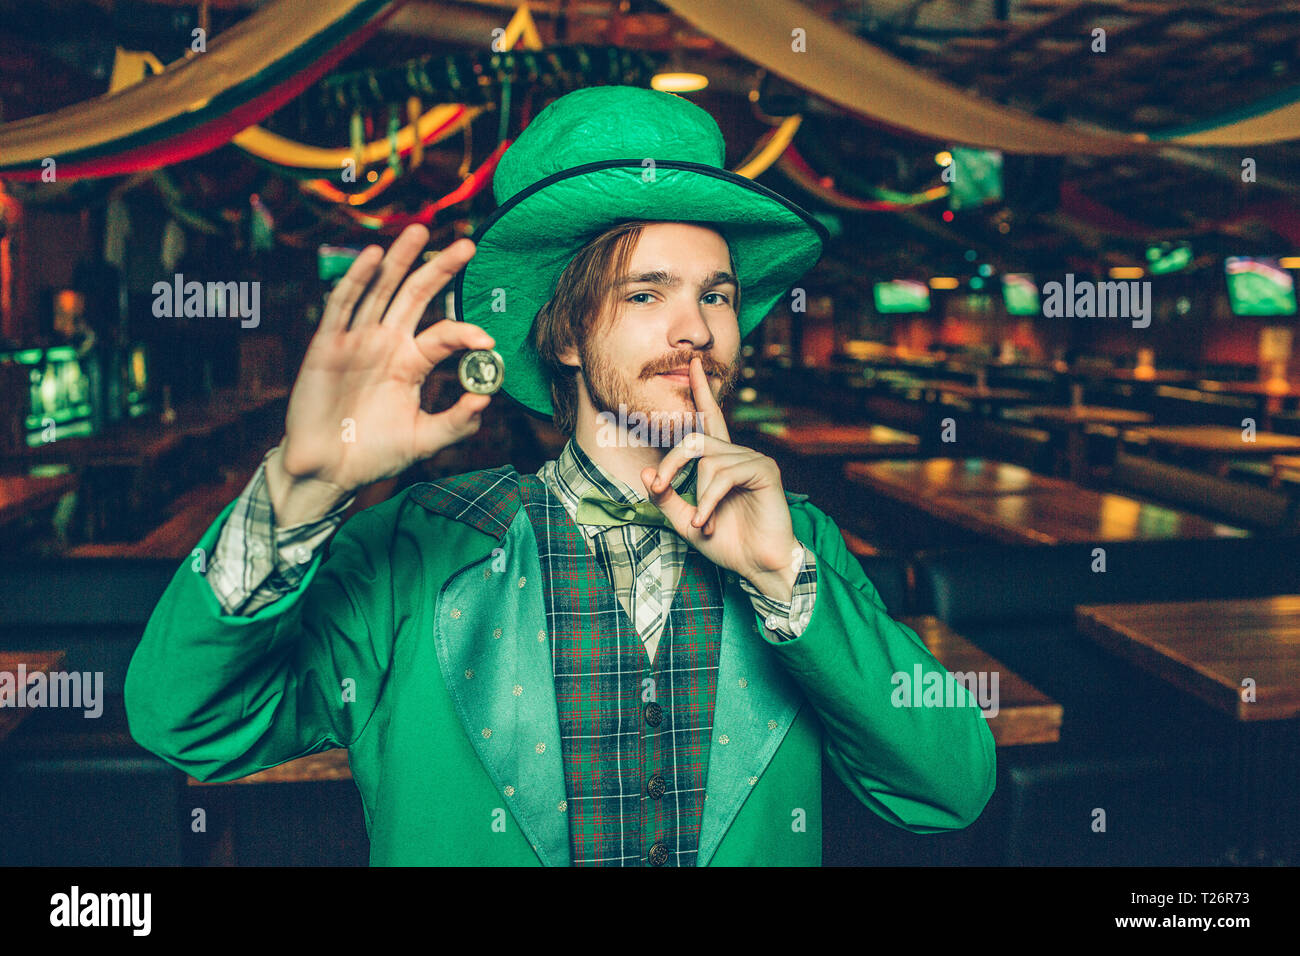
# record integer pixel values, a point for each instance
(420, 645)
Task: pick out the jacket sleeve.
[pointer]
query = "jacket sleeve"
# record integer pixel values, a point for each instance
(222, 696)
(926, 769)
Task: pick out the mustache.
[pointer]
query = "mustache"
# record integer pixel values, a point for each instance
(675, 362)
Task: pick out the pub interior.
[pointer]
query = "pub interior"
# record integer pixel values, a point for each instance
(1042, 378)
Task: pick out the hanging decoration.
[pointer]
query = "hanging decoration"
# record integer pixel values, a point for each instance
(794, 166)
(197, 104)
(471, 187)
(437, 124)
(769, 146)
(860, 77)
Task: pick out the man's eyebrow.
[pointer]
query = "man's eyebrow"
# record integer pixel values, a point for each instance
(660, 277)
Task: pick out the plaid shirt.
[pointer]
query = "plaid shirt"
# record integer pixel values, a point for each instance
(255, 563)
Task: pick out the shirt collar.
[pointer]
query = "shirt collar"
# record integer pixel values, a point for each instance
(576, 474)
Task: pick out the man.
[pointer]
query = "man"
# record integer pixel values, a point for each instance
(637, 656)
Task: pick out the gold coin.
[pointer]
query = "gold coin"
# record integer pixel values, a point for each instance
(482, 371)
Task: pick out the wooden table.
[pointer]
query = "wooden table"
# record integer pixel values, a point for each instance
(1282, 390)
(46, 661)
(1224, 653)
(837, 441)
(1164, 376)
(1207, 648)
(749, 419)
(1025, 714)
(1073, 420)
(1077, 515)
(1219, 443)
(22, 494)
(985, 396)
(917, 479)
(1270, 398)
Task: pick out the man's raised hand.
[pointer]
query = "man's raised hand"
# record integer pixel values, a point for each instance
(354, 414)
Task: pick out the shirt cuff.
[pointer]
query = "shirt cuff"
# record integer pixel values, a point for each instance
(786, 620)
(255, 562)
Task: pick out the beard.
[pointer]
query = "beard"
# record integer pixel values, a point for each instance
(609, 387)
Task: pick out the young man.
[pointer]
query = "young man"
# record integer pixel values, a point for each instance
(639, 655)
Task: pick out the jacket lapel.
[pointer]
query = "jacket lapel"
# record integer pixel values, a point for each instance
(495, 658)
(755, 706)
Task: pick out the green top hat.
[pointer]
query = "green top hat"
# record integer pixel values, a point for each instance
(584, 164)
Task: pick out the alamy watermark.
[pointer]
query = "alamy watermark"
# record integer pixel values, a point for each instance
(208, 300)
(76, 689)
(638, 430)
(77, 909)
(923, 688)
(1085, 299)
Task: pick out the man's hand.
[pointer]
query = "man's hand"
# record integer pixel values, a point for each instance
(741, 520)
(354, 414)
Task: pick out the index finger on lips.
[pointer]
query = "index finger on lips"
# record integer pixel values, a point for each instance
(423, 284)
(710, 412)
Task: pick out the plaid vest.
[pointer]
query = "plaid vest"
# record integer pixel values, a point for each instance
(635, 736)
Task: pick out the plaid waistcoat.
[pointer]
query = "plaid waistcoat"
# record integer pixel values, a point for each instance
(635, 735)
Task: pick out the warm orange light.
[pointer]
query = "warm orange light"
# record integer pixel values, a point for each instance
(944, 282)
(1127, 272)
(1289, 262)
(677, 82)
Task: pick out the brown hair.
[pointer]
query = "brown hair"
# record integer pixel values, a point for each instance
(585, 291)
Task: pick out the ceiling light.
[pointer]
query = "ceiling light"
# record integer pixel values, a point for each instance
(679, 82)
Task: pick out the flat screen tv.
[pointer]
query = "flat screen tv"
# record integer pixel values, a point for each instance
(901, 295)
(59, 398)
(333, 261)
(1259, 287)
(975, 177)
(1020, 294)
(1168, 257)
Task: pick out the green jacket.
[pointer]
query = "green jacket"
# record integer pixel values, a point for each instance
(374, 650)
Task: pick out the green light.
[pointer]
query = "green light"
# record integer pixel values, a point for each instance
(971, 255)
(976, 283)
(985, 270)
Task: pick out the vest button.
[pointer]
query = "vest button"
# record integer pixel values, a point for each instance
(654, 713)
(656, 786)
(658, 854)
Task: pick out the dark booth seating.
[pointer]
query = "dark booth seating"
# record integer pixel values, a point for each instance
(1159, 763)
(79, 790)
(82, 792)
(1232, 502)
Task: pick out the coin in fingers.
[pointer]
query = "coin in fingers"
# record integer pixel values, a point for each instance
(482, 371)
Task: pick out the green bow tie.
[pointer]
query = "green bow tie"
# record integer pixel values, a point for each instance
(596, 508)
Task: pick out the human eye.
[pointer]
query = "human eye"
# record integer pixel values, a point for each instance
(724, 297)
(633, 297)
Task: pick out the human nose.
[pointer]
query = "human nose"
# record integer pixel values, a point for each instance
(689, 326)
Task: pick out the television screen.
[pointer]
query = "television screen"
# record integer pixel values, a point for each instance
(975, 177)
(1259, 287)
(901, 295)
(333, 261)
(58, 396)
(1020, 294)
(1168, 257)
(137, 378)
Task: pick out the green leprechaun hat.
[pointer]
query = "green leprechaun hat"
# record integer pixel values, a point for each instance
(584, 164)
